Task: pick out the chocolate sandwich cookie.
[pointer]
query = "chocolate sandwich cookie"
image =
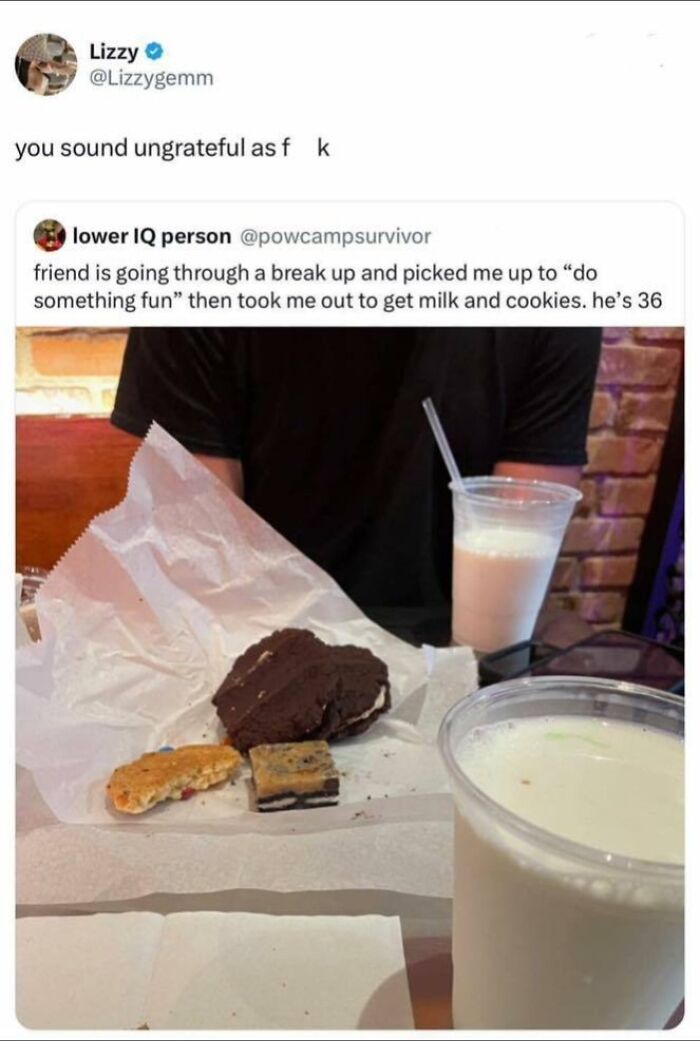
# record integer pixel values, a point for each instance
(294, 776)
(291, 687)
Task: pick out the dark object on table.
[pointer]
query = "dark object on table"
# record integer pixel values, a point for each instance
(291, 686)
(294, 776)
(609, 655)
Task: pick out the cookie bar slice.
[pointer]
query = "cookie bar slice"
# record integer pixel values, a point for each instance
(295, 776)
(173, 774)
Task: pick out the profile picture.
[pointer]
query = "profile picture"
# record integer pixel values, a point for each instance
(49, 235)
(46, 64)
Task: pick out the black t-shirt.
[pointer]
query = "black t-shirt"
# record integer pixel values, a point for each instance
(336, 450)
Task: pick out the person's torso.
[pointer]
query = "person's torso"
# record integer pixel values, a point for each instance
(339, 458)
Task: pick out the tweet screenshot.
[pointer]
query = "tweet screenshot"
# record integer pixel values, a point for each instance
(346, 418)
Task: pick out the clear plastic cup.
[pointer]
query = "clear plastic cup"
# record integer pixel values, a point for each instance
(549, 933)
(507, 536)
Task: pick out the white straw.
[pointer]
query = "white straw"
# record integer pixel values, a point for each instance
(441, 438)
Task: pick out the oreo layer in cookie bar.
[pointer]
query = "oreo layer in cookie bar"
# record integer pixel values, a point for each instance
(293, 687)
(294, 776)
(292, 801)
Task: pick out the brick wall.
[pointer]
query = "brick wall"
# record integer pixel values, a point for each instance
(635, 391)
(67, 371)
(75, 371)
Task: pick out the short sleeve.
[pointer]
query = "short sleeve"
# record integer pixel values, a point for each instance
(547, 415)
(190, 381)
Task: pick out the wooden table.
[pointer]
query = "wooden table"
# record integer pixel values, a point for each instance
(429, 971)
(429, 968)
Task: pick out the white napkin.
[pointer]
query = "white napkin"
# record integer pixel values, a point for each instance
(211, 971)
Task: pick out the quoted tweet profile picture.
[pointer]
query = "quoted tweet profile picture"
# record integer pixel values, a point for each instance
(46, 64)
(49, 235)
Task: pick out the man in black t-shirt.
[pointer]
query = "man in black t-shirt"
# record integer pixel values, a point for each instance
(323, 432)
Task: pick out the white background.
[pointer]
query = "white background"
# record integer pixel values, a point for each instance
(476, 101)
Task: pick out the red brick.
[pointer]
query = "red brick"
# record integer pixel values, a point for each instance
(608, 571)
(622, 455)
(614, 333)
(626, 495)
(602, 410)
(603, 534)
(626, 533)
(647, 334)
(629, 365)
(640, 410)
(564, 573)
(585, 534)
(77, 354)
(589, 492)
(593, 607)
(561, 602)
(601, 607)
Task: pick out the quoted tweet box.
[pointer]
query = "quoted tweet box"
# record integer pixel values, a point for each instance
(349, 263)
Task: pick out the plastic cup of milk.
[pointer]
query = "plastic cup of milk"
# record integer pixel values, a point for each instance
(507, 535)
(568, 886)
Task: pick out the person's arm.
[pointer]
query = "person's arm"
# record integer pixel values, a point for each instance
(191, 382)
(230, 471)
(570, 475)
(547, 424)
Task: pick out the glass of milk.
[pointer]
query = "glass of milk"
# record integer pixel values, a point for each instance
(507, 535)
(568, 887)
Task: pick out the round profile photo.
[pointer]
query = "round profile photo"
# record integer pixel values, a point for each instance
(46, 64)
(49, 235)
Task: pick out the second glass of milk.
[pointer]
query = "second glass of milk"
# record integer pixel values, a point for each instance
(507, 535)
(568, 886)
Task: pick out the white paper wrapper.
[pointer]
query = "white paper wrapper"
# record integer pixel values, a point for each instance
(141, 621)
(211, 971)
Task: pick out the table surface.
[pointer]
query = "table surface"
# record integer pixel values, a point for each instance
(430, 983)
